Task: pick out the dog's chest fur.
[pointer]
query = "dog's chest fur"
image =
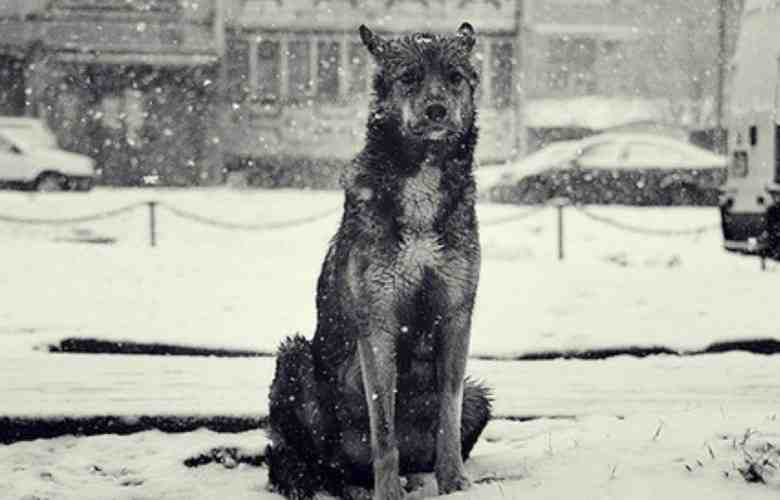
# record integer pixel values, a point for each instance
(420, 199)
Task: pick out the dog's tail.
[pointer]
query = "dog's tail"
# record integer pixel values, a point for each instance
(294, 468)
(477, 407)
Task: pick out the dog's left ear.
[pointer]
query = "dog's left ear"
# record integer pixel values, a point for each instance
(373, 42)
(466, 36)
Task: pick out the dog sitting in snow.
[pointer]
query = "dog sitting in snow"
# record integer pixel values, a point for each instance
(380, 392)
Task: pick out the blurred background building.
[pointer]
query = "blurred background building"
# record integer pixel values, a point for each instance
(183, 90)
(124, 81)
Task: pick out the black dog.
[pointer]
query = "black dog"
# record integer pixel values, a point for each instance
(380, 392)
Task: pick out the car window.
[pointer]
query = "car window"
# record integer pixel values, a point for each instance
(604, 155)
(641, 154)
(5, 145)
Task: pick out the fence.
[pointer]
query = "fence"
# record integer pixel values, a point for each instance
(561, 204)
(152, 208)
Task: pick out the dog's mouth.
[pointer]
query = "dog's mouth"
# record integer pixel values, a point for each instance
(434, 131)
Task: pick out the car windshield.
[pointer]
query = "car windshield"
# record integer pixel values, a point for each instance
(29, 137)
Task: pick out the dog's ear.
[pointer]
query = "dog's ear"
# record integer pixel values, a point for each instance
(375, 44)
(466, 36)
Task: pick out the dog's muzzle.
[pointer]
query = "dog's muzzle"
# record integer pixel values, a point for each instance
(435, 125)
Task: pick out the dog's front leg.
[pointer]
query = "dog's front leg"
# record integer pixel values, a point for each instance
(378, 366)
(451, 367)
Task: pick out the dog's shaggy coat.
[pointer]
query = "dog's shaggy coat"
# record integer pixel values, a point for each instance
(380, 391)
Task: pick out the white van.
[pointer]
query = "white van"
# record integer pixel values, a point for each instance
(31, 159)
(750, 199)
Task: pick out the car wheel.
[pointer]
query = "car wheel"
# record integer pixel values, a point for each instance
(84, 185)
(50, 182)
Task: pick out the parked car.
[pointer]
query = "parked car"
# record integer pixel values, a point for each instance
(620, 168)
(31, 159)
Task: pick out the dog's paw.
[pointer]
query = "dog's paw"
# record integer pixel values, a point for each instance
(357, 493)
(390, 492)
(419, 486)
(450, 481)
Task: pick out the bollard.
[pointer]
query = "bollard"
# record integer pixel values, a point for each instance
(560, 231)
(152, 223)
(560, 203)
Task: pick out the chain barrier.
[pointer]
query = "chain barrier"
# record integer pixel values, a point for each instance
(184, 214)
(643, 230)
(72, 220)
(266, 226)
(512, 218)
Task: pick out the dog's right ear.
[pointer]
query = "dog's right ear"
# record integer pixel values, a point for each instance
(373, 42)
(466, 36)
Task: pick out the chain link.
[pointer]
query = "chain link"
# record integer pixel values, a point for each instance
(71, 220)
(643, 230)
(512, 218)
(248, 227)
(323, 215)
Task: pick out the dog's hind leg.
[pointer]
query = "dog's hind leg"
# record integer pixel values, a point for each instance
(476, 414)
(293, 457)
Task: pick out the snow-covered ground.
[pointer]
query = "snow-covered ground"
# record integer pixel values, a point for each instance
(207, 286)
(688, 455)
(679, 427)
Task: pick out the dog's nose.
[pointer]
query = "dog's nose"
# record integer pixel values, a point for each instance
(436, 112)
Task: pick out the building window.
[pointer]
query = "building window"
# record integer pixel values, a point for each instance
(358, 69)
(501, 74)
(268, 69)
(122, 116)
(299, 67)
(167, 6)
(237, 60)
(328, 60)
(739, 164)
(571, 66)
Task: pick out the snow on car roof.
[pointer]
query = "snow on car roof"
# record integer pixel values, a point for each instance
(559, 154)
(29, 136)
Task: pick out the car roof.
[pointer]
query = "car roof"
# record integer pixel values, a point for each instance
(703, 154)
(29, 135)
(560, 151)
(20, 121)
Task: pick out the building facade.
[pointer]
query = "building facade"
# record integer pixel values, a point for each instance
(124, 81)
(177, 88)
(551, 69)
(597, 64)
(300, 77)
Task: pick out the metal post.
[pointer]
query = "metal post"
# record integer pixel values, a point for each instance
(152, 223)
(560, 204)
(720, 136)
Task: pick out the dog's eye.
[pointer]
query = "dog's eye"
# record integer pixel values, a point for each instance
(455, 77)
(409, 77)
